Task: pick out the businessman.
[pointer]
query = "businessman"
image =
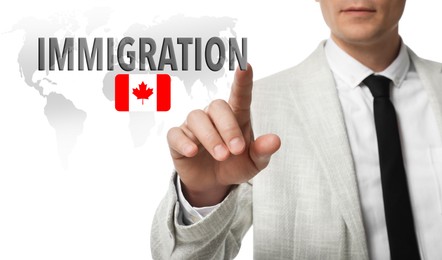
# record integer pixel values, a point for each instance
(348, 147)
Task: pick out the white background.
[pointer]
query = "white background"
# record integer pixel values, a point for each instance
(101, 206)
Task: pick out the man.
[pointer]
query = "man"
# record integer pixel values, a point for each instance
(358, 126)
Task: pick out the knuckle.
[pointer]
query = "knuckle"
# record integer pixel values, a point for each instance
(230, 128)
(212, 138)
(171, 132)
(216, 104)
(194, 115)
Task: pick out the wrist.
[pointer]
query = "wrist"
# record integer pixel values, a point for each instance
(206, 197)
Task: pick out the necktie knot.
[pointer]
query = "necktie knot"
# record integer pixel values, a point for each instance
(379, 85)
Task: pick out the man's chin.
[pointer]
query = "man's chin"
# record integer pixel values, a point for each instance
(356, 38)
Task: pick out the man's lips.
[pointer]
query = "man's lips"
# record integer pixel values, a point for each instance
(358, 10)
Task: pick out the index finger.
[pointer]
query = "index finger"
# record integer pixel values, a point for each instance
(241, 94)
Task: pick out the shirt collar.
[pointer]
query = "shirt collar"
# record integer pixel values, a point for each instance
(352, 72)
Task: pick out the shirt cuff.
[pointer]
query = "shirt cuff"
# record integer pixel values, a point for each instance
(191, 215)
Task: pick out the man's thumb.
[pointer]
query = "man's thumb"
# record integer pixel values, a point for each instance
(263, 148)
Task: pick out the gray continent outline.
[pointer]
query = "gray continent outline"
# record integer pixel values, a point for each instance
(61, 113)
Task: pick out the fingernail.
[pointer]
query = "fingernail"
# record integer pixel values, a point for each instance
(236, 145)
(219, 151)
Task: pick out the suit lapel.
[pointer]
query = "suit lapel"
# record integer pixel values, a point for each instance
(430, 73)
(318, 103)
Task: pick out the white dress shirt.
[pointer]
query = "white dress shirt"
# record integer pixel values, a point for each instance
(421, 148)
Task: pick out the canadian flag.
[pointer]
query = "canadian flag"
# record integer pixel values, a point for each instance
(142, 92)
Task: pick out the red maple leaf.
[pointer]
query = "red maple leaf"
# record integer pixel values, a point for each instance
(142, 92)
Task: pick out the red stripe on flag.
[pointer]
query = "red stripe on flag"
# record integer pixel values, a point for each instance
(163, 92)
(122, 92)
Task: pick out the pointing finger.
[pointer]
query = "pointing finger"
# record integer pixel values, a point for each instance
(241, 94)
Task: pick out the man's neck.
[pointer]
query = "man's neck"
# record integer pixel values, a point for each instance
(376, 56)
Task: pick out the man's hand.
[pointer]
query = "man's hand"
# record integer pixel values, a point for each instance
(215, 147)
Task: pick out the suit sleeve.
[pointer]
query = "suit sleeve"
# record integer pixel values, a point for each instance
(217, 236)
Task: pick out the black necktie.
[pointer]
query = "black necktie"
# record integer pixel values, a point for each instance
(398, 214)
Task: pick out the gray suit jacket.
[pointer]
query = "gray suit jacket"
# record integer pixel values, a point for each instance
(305, 204)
